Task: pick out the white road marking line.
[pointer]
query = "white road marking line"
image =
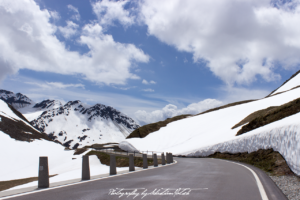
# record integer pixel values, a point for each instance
(259, 184)
(41, 190)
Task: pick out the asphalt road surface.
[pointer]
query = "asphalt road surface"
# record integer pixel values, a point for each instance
(190, 178)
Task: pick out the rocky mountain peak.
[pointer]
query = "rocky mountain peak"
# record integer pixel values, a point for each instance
(16, 100)
(48, 104)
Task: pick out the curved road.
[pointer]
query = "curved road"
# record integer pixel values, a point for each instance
(191, 178)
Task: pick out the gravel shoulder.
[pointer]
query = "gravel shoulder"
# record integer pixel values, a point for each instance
(289, 185)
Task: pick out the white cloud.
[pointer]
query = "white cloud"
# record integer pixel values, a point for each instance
(109, 11)
(28, 41)
(148, 90)
(69, 30)
(239, 39)
(76, 15)
(52, 85)
(148, 83)
(55, 15)
(171, 110)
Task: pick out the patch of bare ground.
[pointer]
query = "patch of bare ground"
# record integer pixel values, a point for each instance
(268, 160)
(20, 131)
(5, 185)
(268, 115)
(121, 160)
(150, 128)
(17, 112)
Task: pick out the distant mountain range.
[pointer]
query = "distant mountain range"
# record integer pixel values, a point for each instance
(73, 124)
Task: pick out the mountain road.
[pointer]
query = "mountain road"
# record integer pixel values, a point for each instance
(189, 178)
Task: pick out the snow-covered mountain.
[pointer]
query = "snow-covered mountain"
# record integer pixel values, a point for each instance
(74, 124)
(16, 100)
(216, 130)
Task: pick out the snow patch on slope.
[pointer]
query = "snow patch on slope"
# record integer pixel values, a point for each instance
(294, 82)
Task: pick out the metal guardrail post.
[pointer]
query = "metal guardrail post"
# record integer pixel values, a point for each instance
(131, 163)
(113, 165)
(145, 161)
(43, 180)
(85, 175)
(155, 163)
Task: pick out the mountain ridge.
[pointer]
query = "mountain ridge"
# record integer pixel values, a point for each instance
(73, 124)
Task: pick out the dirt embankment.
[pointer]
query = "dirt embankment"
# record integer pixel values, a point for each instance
(19, 130)
(268, 160)
(267, 116)
(150, 128)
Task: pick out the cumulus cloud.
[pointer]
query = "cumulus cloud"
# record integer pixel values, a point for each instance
(110, 11)
(171, 110)
(69, 30)
(148, 83)
(55, 15)
(28, 41)
(238, 39)
(74, 10)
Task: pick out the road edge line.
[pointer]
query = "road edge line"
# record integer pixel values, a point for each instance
(260, 186)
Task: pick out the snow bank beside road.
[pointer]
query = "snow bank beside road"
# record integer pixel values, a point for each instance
(283, 136)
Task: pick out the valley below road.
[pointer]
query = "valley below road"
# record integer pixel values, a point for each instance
(189, 178)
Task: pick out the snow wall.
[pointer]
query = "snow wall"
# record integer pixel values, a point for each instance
(285, 140)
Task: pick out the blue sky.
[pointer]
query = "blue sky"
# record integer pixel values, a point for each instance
(149, 59)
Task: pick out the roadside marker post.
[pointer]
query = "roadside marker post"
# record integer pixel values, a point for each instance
(131, 163)
(163, 161)
(145, 163)
(85, 168)
(171, 158)
(168, 157)
(43, 180)
(113, 165)
(155, 164)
